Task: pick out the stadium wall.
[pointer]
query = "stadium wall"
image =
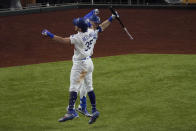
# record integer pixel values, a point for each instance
(156, 30)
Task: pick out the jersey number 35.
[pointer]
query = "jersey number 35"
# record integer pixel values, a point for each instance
(88, 45)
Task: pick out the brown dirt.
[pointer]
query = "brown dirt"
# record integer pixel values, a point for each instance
(155, 31)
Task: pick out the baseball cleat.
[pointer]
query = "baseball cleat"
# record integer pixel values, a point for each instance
(94, 117)
(83, 112)
(69, 116)
(76, 114)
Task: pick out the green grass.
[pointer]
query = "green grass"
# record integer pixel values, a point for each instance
(134, 93)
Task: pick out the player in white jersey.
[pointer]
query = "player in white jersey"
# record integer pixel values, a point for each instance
(82, 107)
(82, 69)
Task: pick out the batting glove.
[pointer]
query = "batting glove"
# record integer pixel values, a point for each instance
(114, 16)
(47, 33)
(96, 11)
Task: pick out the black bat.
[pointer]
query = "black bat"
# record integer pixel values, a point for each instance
(114, 13)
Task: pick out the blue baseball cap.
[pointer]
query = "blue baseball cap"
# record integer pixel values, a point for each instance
(80, 22)
(95, 19)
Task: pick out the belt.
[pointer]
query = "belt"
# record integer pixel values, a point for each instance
(86, 58)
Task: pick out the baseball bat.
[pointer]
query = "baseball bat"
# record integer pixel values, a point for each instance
(120, 21)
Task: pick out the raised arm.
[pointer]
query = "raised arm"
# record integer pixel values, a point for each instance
(107, 22)
(56, 38)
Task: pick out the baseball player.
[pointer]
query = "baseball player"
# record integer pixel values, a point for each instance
(82, 107)
(82, 69)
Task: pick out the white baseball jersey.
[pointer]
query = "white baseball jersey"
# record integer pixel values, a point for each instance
(84, 43)
(81, 72)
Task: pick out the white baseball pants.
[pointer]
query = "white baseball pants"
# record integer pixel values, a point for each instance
(81, 75)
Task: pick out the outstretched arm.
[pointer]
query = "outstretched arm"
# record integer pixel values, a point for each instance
(56, 38)
(62, 40)
(107, 22)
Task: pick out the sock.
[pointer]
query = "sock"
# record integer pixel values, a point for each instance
(92, 98)
(83, 102)
(72, 100)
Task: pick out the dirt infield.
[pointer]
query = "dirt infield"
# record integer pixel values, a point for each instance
(155, 31)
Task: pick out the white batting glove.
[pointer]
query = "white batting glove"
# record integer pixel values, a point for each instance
(47, 33)
(114, 16)
(96, 11)
(44, 32)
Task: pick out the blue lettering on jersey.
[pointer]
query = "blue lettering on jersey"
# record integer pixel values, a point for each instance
(84, 38)
(90, 36)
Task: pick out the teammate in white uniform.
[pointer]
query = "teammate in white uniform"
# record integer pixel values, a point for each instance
(82, 69)
(82, 107)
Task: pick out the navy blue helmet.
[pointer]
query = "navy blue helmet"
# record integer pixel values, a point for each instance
(95, 19)
(80, 23)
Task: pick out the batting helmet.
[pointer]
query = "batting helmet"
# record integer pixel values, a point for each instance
(95, 19)
(80, 22)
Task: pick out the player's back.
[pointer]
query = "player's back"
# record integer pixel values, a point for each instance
(84, 43)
